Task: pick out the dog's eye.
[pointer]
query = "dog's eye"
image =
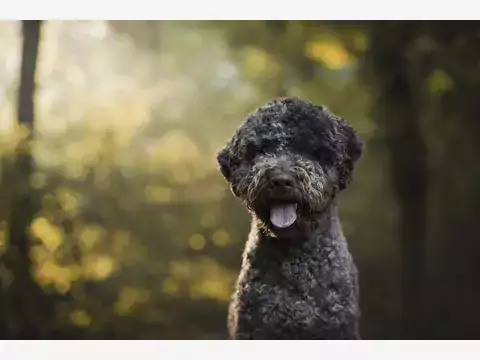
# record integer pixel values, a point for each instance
(318, 153)
(268, 143)
(323, 155)
(250, 151)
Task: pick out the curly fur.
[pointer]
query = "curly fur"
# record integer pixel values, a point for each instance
(299, 283)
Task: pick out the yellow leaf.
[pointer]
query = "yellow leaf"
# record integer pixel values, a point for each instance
(220, 238)
(439, 81)
(49, 272)
(197, 242)
(211, 280)
(90, 236)
(98, 267)
(40, 254)
(68, 199)
(330, 52)
(80, 318)
(258, 62)
(129, 296)
(50, 235)
(170, 286)
(213, 289)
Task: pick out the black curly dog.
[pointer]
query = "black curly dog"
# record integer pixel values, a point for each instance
(287, 162)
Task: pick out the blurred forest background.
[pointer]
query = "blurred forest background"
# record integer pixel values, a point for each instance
(116, 224)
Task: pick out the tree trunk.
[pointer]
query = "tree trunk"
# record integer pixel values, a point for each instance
(397, 113)
(455, 178)
(23, 312)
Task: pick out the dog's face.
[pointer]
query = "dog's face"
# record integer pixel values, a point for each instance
(288, 160)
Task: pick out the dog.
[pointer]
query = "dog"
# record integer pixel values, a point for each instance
(287, 162)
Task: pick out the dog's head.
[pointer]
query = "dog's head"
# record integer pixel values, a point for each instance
(288, 160)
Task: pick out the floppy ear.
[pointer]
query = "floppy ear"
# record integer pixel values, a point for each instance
(353, 148)
(223, 160)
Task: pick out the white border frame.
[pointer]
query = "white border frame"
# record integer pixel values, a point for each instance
(241, 10)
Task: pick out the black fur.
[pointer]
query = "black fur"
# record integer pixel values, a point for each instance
(300, 282)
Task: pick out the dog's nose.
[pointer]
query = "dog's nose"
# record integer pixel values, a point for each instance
(281, 179)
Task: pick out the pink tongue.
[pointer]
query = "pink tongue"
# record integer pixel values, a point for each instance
(283, 216)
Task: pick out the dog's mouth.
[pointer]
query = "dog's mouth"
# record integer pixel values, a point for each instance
(283, 215)
(279, 211)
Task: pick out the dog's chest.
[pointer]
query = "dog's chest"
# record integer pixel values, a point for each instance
(299, 293)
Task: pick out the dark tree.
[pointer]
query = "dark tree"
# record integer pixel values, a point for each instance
(23, 310)
(397, 85)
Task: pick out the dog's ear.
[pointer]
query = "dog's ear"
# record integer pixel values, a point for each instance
(353, 148)
(223, 160)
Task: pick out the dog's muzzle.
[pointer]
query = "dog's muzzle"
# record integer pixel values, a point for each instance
(277, 197)
(282, 212)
